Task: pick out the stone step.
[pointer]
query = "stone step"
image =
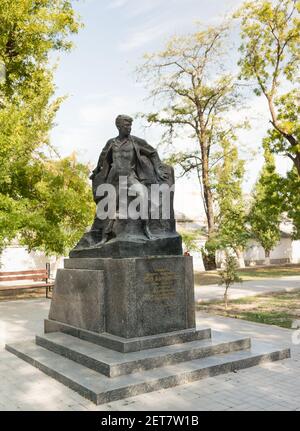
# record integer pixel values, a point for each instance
(113, 363)
(101, 389)
(126, 345)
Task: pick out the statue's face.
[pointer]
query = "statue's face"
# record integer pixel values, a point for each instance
(125, 128)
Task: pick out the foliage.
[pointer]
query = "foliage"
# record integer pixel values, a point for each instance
(209, 252)
(229, 274)
(232, 230)
(292, 200)
(270, 49)
(268, 204)
(56, 217)
(190, 239)
(30, 31)
(188, 80)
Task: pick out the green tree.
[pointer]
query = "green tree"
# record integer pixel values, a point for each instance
(232, 230)
(268, 204)
(229, 275)
(292, 200)
(24, 130)
(61, 209)
(30, 31)
(194, 93)
(190, 239)
(270, 32)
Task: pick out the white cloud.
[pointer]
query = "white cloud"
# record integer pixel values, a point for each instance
(106, 110)
(115, 4)
(142, 37)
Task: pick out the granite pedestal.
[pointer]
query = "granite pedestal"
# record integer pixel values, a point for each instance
(129, 298)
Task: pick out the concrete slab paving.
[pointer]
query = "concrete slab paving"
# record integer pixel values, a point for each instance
(269, 386)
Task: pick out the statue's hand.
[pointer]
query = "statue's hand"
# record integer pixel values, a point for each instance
(162, 173)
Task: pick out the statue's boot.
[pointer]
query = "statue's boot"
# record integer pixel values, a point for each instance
(102, 242)
(148, 233)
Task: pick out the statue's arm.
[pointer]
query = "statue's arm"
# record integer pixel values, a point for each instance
(101, 159)
(152, 154)
(147, 150)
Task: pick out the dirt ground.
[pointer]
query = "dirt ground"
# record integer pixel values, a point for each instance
(280, 309)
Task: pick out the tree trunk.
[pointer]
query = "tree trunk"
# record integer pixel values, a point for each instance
(226, 298)
(297, 162)
(290, 138)
(267, 257)
(240, 255)
(207, 193)
(208, 198)
(209, 259)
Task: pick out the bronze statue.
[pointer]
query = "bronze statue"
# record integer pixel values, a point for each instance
(127, 156)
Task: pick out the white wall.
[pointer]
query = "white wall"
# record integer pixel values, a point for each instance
(285, 249)
(254, 252)
(17, 258)
(197, 261)
(296, 251)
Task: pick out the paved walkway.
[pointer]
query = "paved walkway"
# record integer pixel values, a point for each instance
(248, 288)
(273, 386)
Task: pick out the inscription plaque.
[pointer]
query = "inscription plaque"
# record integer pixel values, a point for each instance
(161, 284)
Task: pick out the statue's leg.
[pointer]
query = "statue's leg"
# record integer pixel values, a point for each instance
(106, 232)
(146, 229)
(143, 194)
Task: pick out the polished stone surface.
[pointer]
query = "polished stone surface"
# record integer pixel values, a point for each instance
(268, 386)
(113, 364)
(148, 296)
(126, 345)
(78, 299)
(100, 389)
(132, 297)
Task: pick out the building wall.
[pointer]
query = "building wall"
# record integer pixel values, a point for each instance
(16, 258)
(296, 251)
(282, 253)
(183, 225)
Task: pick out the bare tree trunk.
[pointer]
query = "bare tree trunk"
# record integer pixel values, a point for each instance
(240, 255)
(209, 259)
(267, 257)
(226, 298)
(208, 198)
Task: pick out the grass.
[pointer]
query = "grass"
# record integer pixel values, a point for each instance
(247, 274)
(279, 309)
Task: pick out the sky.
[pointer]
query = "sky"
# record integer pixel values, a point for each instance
(99, 79)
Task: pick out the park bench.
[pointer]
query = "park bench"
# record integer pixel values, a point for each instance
(39, 278)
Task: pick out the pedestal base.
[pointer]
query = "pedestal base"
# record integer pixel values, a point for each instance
(122, 327)
(129, 298)
(104, 375)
